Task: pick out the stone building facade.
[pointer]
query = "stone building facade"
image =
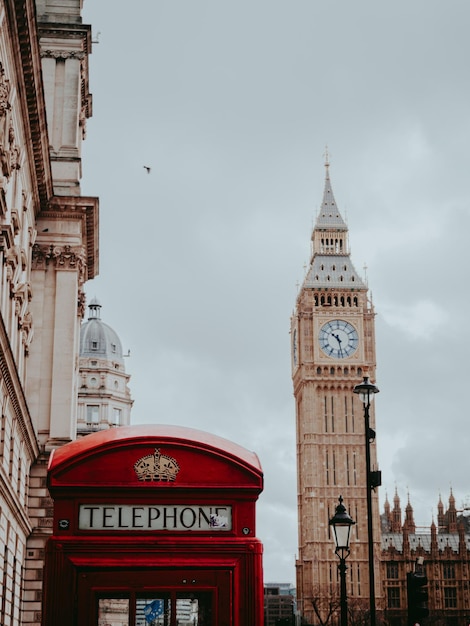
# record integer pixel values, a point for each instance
(333, 347)
(48, 250)
(443, 549)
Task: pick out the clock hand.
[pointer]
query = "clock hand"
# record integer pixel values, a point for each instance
(337, 339)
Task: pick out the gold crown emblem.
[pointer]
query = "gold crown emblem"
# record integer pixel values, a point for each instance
(156, 467)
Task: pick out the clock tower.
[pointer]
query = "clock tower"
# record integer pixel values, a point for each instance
(333, 347)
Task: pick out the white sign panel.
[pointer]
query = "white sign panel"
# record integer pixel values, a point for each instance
(180, 517)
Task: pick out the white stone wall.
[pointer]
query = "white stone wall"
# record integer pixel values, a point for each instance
(48, 249)
(103, 384)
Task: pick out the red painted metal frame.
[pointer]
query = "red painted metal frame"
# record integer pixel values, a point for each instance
(99, 469)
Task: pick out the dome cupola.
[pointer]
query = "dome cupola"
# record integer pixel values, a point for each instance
(97, 339)
(104, 398)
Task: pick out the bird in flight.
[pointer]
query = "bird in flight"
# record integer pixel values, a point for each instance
(146, 167)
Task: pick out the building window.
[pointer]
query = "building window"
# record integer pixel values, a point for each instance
(450, 597)
(393, 597)
(449, 571)
(392, 570)
(94, 345)
(92, 414)
(116, 417)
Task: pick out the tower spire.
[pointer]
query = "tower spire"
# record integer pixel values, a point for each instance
(326, 154)
(329, 215)
(330, 263)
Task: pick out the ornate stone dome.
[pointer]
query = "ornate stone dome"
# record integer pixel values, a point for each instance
(97, 339)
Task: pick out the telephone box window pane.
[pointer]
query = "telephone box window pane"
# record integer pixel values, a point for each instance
(152, 611)
(194, 608)
(113, 612)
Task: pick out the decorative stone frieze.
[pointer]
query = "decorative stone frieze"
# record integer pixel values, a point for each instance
(62, 257)
(63, 54)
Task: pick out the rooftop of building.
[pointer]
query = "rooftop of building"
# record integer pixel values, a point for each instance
(97, 339)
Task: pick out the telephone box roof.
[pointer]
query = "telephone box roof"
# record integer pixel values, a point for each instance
(148, 433)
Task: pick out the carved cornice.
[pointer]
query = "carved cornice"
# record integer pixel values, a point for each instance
(62, 257)
(85, 208)
(21, 16)
(63, 54)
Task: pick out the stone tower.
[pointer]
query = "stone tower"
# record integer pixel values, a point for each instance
(333, 347)
(104, 399)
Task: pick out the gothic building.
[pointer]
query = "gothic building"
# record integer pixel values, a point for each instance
(333, 347)
(48, 250)
(443, 549)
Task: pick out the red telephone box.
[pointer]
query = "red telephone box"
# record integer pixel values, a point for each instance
(153, 526)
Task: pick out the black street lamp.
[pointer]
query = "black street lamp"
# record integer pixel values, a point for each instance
(366, 391)
(341, 523)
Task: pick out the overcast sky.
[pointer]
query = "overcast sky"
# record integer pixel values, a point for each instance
(231, 104)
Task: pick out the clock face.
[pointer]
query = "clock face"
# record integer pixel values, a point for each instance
(338, 339)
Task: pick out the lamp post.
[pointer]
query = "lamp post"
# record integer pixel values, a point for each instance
(366, 391)
(341, 523)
